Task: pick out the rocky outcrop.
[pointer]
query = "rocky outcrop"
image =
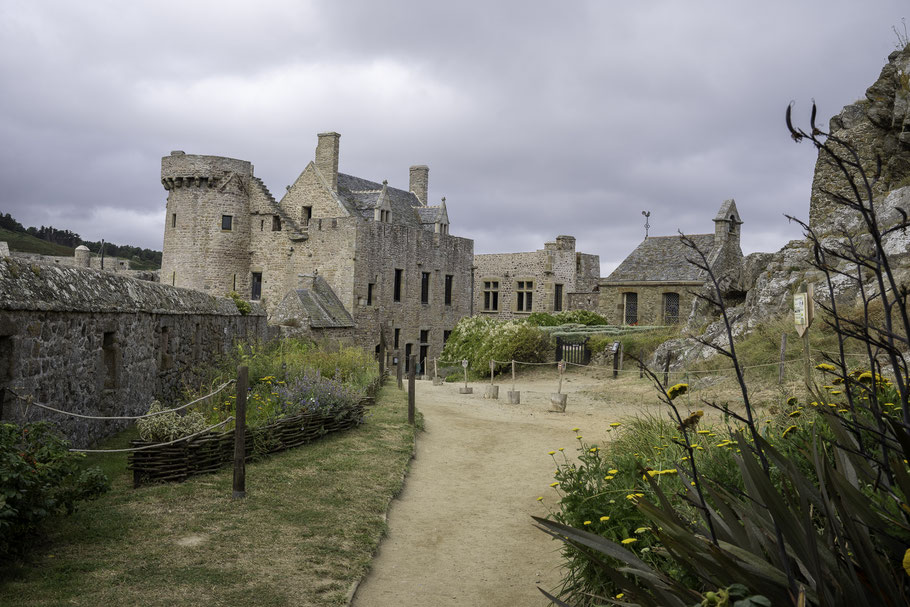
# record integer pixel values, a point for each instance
(877, 126)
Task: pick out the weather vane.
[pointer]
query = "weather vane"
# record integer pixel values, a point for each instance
(647, 225)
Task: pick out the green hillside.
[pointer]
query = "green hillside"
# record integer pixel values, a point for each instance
(20, 241)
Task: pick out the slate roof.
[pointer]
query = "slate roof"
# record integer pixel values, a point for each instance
(322, 305)
(360, 196)
(663, 258)
(429, 215)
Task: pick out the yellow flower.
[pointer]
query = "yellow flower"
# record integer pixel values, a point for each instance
(704, 432)
(629, 540)
(789, 428)
(615, 425)
(843, 410)
(796, 413)
(551, 452)
(906, 561)
(889, 404)
(554, 484)
(634, 496)
(587, 522)
(825, 367)
(608, 477)
(575, 429)
(593, 449)
(641, 530)
(836, 392)
(791, 402)
(677, 390)
(561, 448)
(613, 471)
(579, 437)
(620, 595)
(604, 518)
(668, 471)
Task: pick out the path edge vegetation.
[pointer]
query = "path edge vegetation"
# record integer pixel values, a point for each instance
(127, 526)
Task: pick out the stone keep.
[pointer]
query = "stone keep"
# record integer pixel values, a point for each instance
(383, 253)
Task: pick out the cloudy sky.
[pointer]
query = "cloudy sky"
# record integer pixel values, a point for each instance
(536, 118)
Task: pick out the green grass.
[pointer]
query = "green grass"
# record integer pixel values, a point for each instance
(308, 528)
(20, 241)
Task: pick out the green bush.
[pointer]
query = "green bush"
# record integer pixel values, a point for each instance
(243, 306)
(574, 317)
(480, 339)
(169, 426)
(39, 477)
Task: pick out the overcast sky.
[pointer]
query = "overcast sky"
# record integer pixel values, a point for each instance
(536, 118)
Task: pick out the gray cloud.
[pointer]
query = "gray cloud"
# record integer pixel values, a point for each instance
(536, 119)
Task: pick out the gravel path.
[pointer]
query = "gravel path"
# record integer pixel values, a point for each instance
(460, 533)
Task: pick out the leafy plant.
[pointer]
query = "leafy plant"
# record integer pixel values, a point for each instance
(169, 426)
(39, 477)
(243, 306)
(479, 340)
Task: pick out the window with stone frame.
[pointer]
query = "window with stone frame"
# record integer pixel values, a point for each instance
(491, 296)
(448, 289)
(370, 293)
(397, 337)
(671, 308)
(524, 295)
(424, 287)
(424, 336)
(396, 291)
(557, 298)
(445, 336)
(276, 223)
(227, 222)
(630, 308)
(306, 213)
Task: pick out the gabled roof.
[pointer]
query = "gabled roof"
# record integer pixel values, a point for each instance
(663, 258)
(727, 209)
(320, 304)
(360, 197)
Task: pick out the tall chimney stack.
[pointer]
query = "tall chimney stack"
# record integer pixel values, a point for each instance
(327, 158)
(420, 175)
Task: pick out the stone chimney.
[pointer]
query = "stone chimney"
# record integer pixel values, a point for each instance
(327, 158)
(420, 175)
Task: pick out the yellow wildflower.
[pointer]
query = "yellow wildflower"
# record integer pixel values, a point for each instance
(629, 540)
(561, 448)
(789, 428)
(540, 498)
(613, 471)
(825, 367)
(575, 429)
(604, 518)
(615, 425)
(641, 530)
(608, 477)
(587, 522)
(554, 484)
(551, 452)
(677, 390)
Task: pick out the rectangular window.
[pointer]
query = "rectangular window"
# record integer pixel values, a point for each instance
(173, 278)
(261, 225)
(276, 223)
(445, 336)
(370, 294)
(256, 291)
(630, 308)
(671, 308)
(306, 213)
(173, 220)
(425, 287)
(226, 221)
(397, 290)
(397, 335)
(557, 298)
(491, 295)
(524, 292)
(424, 336)
(164, 347)
(448, 299)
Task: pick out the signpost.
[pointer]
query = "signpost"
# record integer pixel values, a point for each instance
(465, 389)
(803, 315)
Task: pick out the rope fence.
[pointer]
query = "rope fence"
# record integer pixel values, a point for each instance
(29, 401)
(155, 445)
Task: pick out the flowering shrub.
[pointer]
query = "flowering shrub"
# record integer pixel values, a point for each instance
(479, 339)
(38, 477)
(169, 426)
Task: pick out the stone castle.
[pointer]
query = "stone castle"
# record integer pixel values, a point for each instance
(338, 256)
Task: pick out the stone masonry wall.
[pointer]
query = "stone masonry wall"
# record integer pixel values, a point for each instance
(650, 302)
(556, 263)
(98, 343)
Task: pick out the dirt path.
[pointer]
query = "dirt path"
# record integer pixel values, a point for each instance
(461, 531)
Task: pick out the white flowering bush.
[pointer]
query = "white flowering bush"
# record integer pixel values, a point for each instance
(479, 339)
(169, 426)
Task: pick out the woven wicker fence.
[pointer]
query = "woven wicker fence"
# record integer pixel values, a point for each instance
(215, 450)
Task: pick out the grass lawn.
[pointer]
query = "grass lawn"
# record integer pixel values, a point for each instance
(19, 241)
(308, 528)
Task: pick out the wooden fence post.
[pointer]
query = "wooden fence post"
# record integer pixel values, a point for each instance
(783, 353)
(240, 433)
(411, 372)
(398, 369)
(667, 369)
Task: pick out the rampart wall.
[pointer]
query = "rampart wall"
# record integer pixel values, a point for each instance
(99, 343)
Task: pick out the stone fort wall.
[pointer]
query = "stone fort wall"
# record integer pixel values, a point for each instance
(556, 264)
(98, 343)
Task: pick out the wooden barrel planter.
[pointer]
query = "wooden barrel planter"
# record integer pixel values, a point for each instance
(214, 450)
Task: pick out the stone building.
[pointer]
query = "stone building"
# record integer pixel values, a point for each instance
(653, 285)
(382, 253)
(552, 279)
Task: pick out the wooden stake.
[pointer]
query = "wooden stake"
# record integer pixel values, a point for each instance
(398, 369)
(411, 373)
(240, 433)
(513, 376)
(562, 367)
(435, 369)
(783, 353)
(667, 369)
(492, 366)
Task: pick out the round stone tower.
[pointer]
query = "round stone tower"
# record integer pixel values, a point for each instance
(207, 226)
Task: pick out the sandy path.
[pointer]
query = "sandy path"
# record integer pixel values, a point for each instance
(460, 533)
